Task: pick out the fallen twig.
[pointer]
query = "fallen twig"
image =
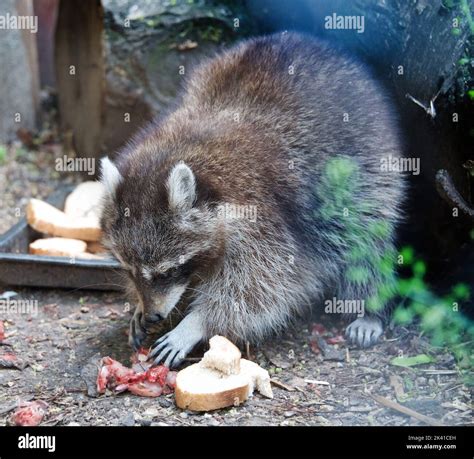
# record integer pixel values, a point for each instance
(282, 385)
(440, 372)
(408, 411)
(314, 381)
(428, 109)
(448, 191)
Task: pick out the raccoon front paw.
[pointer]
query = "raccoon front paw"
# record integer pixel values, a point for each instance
(137, 333)
(365, 331)
(173, 347)
(170, 349)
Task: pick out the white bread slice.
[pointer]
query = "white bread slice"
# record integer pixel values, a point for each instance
(62, 247)
(202, 389)
(258, 376)
(223, 356)
(58, 246)
(95, 247)
(85, 200)
(47, 219)
(215, 383)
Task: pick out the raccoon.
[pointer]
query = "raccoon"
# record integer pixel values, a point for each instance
(233, 198)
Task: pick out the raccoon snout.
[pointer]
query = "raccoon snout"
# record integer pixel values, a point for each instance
(151, 318)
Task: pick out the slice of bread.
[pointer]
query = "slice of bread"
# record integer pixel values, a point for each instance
(220, 379)
(200, 388)
(58, 246)
(96, 247)
(85, 200)
(259, 377)
(47, 219)
(223, 356)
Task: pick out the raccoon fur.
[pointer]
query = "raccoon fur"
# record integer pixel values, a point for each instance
(257, 196)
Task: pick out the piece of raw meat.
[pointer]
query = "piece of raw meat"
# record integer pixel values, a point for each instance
(141, 379)
(29, 413)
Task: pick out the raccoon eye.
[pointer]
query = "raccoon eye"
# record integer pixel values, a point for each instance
(165, 276)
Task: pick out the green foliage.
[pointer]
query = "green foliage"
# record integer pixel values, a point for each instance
(359, 228)
(420, 359)
(3, 154)
(466, 11)
(456, 31)
(440, 318)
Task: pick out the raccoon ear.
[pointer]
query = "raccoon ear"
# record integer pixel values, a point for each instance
(181, 187)
(110, 175)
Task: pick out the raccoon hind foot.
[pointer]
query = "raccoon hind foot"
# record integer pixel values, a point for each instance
(364, 331)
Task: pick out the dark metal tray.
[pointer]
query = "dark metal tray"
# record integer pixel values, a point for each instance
(19, 268)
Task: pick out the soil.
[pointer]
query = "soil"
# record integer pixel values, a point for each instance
(61, 345)
(72, 330)
(28, 173)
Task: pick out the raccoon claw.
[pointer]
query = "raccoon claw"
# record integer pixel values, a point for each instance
(173, 347)
(365, 331)
(167, 351)
(137, 333)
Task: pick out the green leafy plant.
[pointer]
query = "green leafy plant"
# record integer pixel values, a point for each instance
(358, 230)
(3, 154)
(439, 317)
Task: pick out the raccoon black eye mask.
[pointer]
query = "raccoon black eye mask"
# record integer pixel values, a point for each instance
(302, 150)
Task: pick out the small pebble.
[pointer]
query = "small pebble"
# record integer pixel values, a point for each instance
(164, 402)
(128, 420)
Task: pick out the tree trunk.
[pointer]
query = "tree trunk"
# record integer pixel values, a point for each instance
(19, 80)
(80, 74)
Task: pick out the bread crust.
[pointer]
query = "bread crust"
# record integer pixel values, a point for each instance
(61, 247)
(45, 218)
(207, 401)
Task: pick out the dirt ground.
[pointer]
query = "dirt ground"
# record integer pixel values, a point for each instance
(24, 174)
(61, 345)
